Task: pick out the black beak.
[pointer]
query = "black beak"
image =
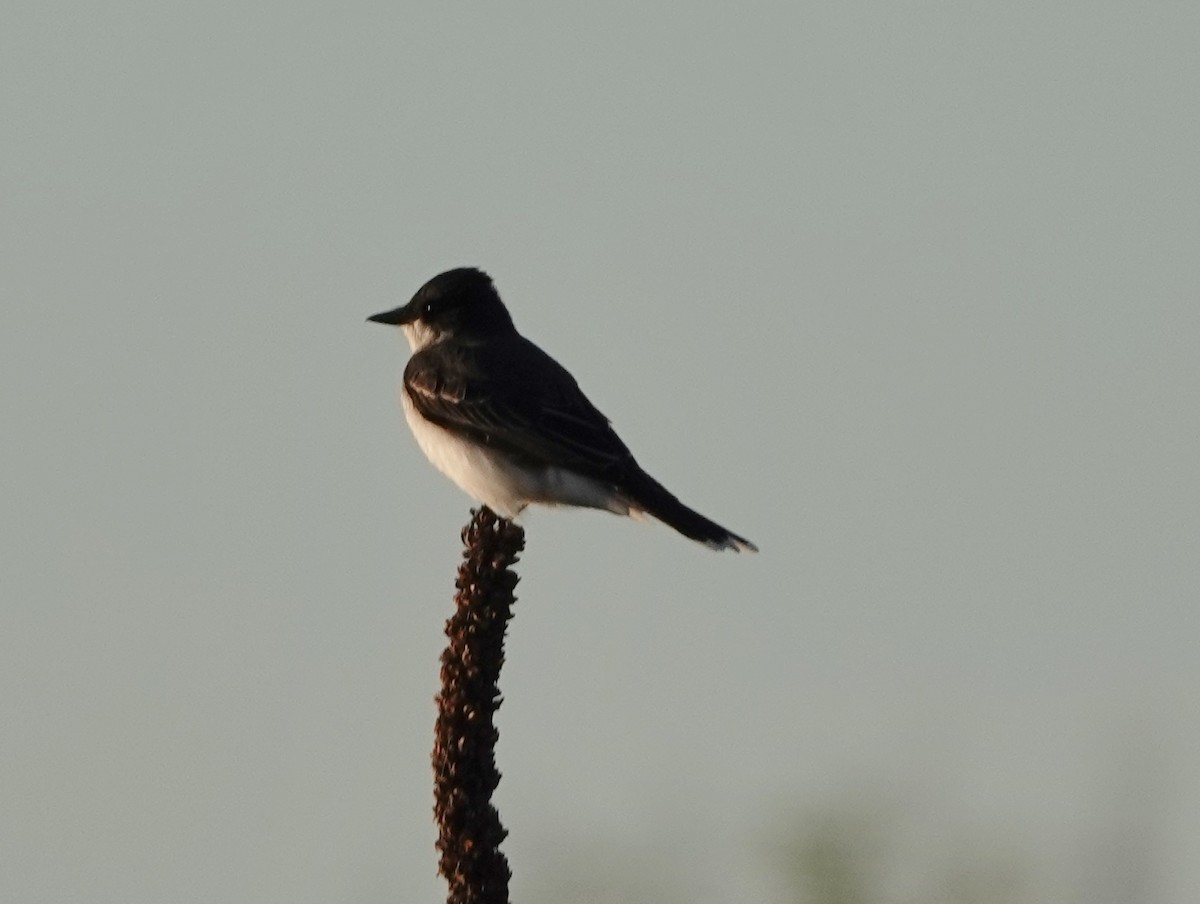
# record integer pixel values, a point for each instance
(405, 314)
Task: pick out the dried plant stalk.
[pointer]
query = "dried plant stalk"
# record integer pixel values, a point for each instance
(464, 763)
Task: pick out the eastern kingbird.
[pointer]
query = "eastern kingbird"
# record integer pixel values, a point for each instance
(508, 423)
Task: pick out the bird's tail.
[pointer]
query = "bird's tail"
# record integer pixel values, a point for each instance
(651, 497)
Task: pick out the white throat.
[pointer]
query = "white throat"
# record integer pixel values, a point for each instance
(419, 334)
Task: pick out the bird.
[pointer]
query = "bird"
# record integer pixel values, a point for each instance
(509, 425)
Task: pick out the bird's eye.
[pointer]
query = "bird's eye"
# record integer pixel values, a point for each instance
(428, 308)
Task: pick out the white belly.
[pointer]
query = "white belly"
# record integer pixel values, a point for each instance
(494, 479)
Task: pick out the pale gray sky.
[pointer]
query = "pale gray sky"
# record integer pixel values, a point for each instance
(905, 293)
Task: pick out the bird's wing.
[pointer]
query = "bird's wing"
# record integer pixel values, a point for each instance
(511, 395)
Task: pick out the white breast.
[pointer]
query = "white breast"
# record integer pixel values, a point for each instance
(491, 477)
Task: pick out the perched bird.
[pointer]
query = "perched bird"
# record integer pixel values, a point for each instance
(508, 423)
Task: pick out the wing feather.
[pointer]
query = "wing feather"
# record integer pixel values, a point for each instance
(510, 394)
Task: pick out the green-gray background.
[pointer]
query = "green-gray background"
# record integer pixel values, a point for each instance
(905, 292)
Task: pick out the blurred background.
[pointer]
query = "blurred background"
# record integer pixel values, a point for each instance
(905, 293)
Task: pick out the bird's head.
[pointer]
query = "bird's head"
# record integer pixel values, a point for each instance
(461, 302)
